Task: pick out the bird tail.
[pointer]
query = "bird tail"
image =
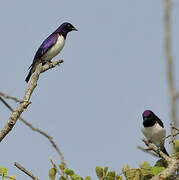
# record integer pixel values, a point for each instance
(29, 75)
(165, 151)
(32, 69)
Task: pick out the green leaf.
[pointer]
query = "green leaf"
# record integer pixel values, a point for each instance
(108, 178)
(62, 178)
(145, 165)
(176, 146)
(161, 163)
(11, 177)
(68, 171)
(62, 166)
(76, 177)
(145, 168)
(52, 173)
(105, 170)
(156, 170)
(138, 175)
(3, 172)
(118, 177)
(87, 178)
(112, 174)
(99, 171)
(133, 174)
(125, 169)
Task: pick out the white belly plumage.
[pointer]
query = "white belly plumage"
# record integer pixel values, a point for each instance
(55, 49)
(155, 134)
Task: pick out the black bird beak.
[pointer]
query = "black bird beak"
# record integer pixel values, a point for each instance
(74, 29)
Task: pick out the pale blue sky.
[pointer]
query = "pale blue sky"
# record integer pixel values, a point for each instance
(114, 69)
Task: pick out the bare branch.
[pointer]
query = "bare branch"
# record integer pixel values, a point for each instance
(10, 97)
(173, 135)
(24, 104)
(37, 130)
(147, 151)
(169, 61)
(25, 171)
(51, 65)
(156, 150)
(47, 136)
(174, 128)
(172, 162)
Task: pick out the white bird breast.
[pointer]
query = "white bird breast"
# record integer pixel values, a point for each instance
(155, 134)
(55, 49)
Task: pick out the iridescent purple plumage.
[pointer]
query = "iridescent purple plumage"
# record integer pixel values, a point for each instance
(46, 47)
(47, 44)
(147, 113)
(153, 129)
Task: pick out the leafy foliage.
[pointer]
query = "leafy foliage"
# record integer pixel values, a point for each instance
(104, 174)
(52, 173)
(3, 173)
(144, 172)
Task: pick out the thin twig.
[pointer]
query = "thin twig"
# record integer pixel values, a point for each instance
(174, 135)
(156, 150)
(51, 65)
(24, 104)
(55, 166)
(10, 97)
(37, 130)
(147, 151)
(9, 177)
(25, 171)
(175, 128)
(45, 135)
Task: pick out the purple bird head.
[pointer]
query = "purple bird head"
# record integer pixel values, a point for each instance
(65, 28)
(149, 119)
(148, 114)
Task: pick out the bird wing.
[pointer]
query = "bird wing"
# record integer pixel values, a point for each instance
(160, 122)
(45, 46)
